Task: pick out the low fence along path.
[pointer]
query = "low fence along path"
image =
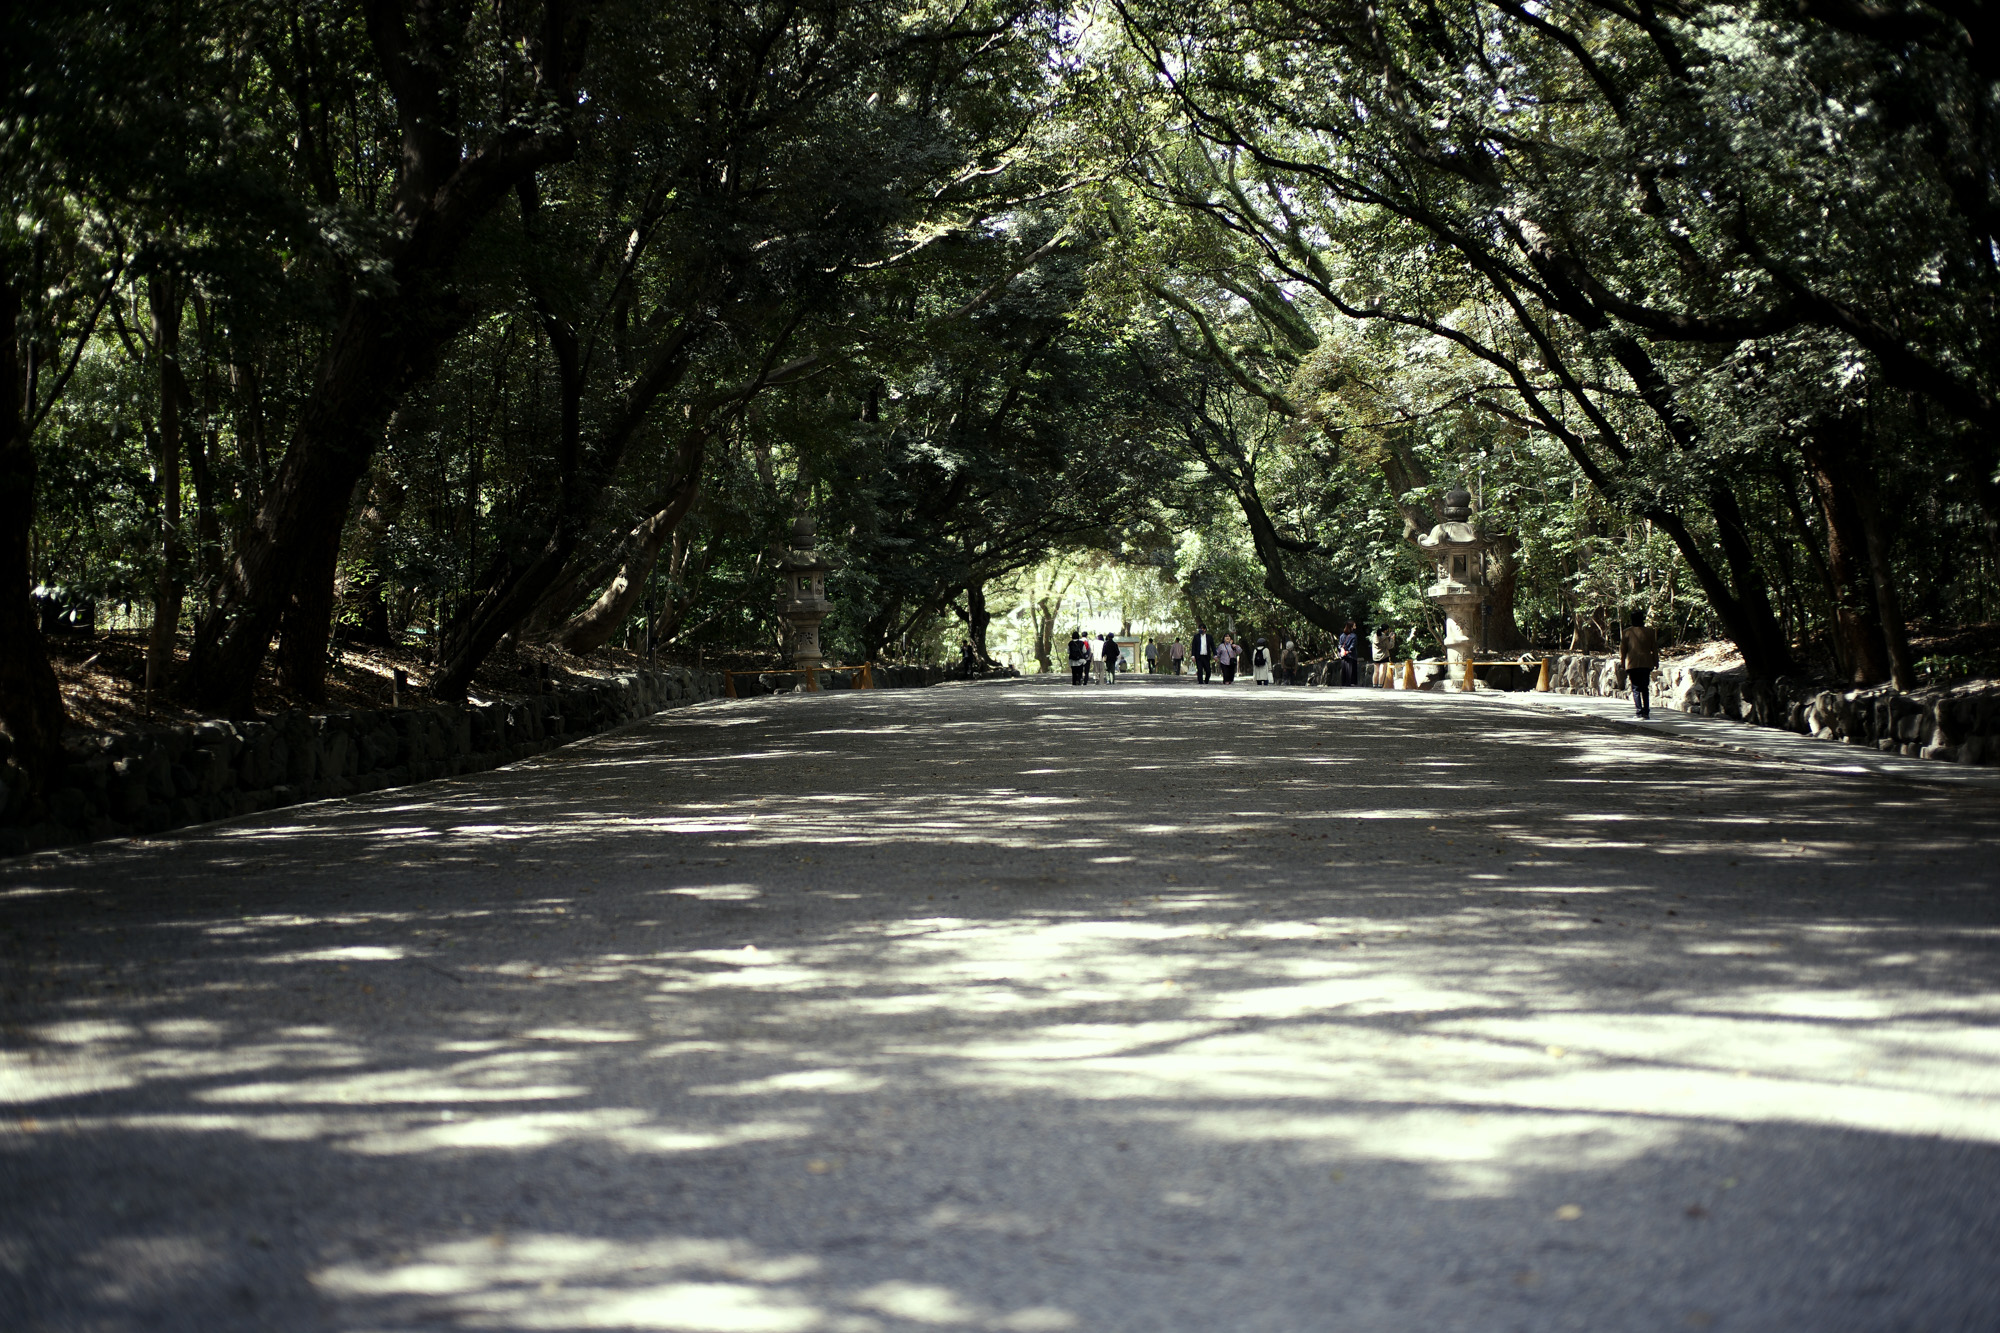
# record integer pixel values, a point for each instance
(1018, 1006)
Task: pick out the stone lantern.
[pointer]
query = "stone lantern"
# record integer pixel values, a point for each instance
(806, 603)
(1458, 551)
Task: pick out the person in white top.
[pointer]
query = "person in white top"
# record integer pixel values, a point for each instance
(1261, 662)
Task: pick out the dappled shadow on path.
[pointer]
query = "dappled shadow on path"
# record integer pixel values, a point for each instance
(1022, 1008)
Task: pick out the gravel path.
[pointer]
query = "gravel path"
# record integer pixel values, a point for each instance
(1019, 1007)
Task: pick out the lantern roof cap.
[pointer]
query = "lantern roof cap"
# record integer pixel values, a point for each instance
(804, 557)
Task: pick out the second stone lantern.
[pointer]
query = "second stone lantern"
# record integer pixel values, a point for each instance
(1459, 548)
(806, 604)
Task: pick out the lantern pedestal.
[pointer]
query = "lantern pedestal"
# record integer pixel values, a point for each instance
(806, 602)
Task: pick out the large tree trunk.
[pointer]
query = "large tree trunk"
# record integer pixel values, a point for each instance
(163, 295)
(684, 567)
(595, 624)
(295, 536)
(1895, 633)
(1502, 573)
(1045, 631)
(978, 619)
(389, 336)
(1856, 617)
(1755, 625)
(31, 703)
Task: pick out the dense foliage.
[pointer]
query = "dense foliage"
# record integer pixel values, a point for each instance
(465, 323)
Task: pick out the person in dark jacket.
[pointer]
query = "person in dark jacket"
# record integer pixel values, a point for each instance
(1203, 653)
(1079, 656)
(1350, 659)
(1110, 658)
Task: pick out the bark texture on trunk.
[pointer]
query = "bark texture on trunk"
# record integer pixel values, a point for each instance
(31, 703)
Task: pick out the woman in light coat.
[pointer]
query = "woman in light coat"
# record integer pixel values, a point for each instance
(1262, 660)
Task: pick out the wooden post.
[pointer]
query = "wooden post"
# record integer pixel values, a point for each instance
(867, 675)
(399, 685)
(1542, 686)
(1471, 681)
(1409, 673)
(729, 684)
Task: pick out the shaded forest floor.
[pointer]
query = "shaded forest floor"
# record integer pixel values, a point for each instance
(103, 678)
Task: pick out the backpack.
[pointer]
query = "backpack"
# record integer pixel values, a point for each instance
(1261, 659)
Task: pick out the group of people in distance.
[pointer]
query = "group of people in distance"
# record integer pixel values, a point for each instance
(1086, 656)
(1100, 660)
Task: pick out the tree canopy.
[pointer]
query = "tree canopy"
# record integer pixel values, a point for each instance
(483, 324)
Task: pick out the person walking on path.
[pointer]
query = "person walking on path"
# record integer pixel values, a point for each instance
(1204, 654)
(1350, 662)
(1385, 654)
(1288, 663)
(1152, 657)
(1639, 654)
(1261, 663)
(1079, 656)
(1226, 654)
(1107, 662)
(1176, 654)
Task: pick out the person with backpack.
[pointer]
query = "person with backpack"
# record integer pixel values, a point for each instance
(1638, 656)
(1288, 663)
(1260, 663)
(1079, 656)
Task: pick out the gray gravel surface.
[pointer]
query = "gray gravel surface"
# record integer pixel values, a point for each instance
(1023, 1007)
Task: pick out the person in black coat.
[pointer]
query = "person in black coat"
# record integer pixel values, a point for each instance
(1079, 657)
(1350, 655)
(1203, 653)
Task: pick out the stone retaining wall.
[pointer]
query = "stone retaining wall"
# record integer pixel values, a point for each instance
(1958, 723)
(167, 777)
(162, 778)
